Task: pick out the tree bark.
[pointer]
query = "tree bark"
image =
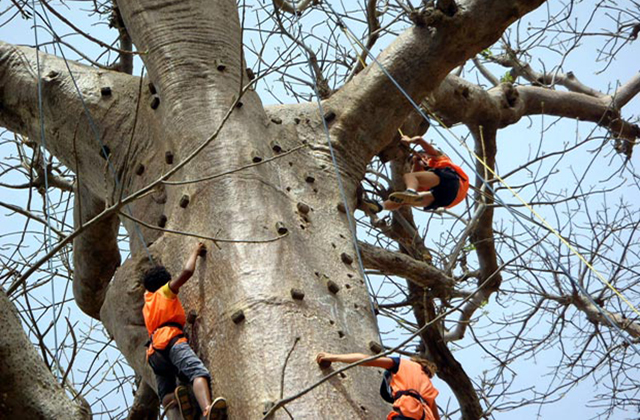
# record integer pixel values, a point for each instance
(28, 390)
(194, 59)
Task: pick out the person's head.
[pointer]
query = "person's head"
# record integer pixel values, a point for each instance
(155, 278)
(428, 367)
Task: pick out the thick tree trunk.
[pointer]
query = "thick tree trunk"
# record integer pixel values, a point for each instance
(186, 45)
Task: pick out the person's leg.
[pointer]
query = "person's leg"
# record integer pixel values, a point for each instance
(424, 180)
(166, 384)
(191, 367)
(202, 392)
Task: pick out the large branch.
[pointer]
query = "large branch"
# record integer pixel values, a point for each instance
(95, 253)
(28, 390)
(69, 134)
(597, 316)
(370, 107)
(398, 264)
(459, 101)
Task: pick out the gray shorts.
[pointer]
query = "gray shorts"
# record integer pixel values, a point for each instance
(182, 364)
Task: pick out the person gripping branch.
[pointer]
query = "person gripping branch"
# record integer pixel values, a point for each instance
(406, 384)
(168, 352)
(434, 182)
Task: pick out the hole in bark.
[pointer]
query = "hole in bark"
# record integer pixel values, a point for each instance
(297, 294)
(296, 120)
(348, 286)
(155, 102)
(331, 321)
(105, 152)
(375, 347)
(139, 169)
(302, 227)
(281, 228)
(342, 375)
(290, 163)
(333, 287)
(333, 245)
(152, 88)
(340, 334)
(317, 274)
(105, 91)
(315, 190)
(168, 157)
(288, 189)
(276, 147)
(184, 201)
(237, 317)
(356, 306)
(363, 408)
(276, 120)
(350, 276)
(329, 116)
(303, 208)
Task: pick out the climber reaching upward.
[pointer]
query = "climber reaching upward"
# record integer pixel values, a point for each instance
(169, 353)
(434, 181)
(406, 384)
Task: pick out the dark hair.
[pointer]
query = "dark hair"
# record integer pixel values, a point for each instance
(155, 278)
(428, 366)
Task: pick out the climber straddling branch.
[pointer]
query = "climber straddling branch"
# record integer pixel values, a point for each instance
(434, 181)
(169, 353)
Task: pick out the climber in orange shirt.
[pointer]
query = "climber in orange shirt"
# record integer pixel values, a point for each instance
(434, 181)
(406, 384)
(169, 353)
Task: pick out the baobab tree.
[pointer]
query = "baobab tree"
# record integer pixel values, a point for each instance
(190, 151)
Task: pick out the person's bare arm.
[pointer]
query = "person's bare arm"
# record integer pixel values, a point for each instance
(426, 146)
(382, 362)
(189, 268)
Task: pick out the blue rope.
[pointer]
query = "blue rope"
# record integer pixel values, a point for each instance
(576, 284)
(94, 129)
(47, 207)
(343, 194)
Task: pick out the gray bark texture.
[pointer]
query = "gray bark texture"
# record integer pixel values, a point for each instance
(28, 390)
(181, 42)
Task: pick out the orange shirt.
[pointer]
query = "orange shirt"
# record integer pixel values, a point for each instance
(161, 307)
(410, 376)
(443, 161)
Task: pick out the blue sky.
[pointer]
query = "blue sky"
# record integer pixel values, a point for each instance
(515, 144)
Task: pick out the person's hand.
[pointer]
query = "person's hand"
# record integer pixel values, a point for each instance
(324, 359)
(200, 249)
(406, 140)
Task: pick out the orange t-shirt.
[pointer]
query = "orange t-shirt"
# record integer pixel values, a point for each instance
(161, 307)
(410, 376)
(443, 161)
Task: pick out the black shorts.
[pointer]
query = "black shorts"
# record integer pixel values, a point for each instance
(447, 190)
(182, 364)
